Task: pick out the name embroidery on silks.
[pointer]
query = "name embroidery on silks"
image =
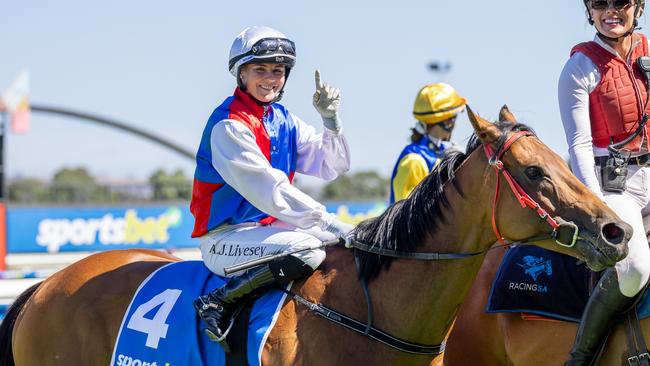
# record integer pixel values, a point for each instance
(161, 328)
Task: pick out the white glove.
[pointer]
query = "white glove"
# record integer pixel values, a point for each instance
(326, 101)
(341, 230)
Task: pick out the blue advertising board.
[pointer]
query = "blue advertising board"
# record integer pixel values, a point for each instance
(68, 229)
(57, 229)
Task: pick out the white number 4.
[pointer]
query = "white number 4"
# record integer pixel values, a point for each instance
(155, 328)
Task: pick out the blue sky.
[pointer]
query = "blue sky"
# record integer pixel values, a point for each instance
(162, 66)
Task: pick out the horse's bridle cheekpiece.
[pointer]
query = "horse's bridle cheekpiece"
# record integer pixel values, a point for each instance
(565, 233)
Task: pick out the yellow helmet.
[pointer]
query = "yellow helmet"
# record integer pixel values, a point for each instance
(437, 102)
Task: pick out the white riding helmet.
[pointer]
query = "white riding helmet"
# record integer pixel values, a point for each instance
(261, 44)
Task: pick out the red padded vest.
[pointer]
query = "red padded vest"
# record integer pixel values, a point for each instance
(616, 104)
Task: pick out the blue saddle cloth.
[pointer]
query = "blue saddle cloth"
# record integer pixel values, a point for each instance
(538, 281)
(161, 328)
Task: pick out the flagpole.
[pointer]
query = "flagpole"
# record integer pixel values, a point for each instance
(3, 132)
(3, 199)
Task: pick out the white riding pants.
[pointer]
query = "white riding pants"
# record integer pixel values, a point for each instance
(228, 245)
(631, 206)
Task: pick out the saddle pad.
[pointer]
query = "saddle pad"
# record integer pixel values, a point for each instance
(535, 280)
(161, 328)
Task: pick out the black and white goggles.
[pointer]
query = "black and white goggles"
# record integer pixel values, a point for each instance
(269, 47)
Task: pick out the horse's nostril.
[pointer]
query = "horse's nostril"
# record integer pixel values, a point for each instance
(613, 233)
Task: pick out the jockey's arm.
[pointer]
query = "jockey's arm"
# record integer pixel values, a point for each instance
(241, 163)
(325, 155)
(578, 78)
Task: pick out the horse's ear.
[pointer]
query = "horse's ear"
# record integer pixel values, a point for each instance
(485, 131)
(506, 116)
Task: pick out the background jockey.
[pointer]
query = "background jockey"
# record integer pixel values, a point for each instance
(603, 98)
(435, 109)
(243, 202)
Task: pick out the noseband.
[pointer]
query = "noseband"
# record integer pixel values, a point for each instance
(559, 232)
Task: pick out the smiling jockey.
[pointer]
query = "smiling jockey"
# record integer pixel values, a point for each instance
(243, 202)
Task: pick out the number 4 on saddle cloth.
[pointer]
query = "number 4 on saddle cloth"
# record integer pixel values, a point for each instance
(537, 281)
(161, 328)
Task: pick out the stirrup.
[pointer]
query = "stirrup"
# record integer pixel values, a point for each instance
(220, 339)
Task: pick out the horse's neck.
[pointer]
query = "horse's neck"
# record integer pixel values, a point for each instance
(415, 299)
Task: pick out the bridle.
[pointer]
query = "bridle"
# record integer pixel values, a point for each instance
(559, 231)
(564, 233)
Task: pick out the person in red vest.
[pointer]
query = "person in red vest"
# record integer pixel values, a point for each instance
(243, 202)
(603, 98)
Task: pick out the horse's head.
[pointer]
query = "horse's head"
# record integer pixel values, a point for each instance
(581, 224)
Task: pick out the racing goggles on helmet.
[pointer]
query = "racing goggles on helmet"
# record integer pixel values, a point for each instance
(269, 47)
(604, 4)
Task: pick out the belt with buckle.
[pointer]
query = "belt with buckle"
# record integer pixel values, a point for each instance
(641, 160)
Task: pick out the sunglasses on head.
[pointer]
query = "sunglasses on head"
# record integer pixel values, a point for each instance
(604, 4)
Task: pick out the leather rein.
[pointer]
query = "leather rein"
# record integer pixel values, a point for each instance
(559, 231)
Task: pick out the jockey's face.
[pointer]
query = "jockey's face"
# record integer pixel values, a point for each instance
(263, 81)
(610, 20)
(442, 130)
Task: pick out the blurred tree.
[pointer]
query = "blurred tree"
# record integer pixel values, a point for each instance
(366, 185)
(75, 185)
(27, 190)
(168, 187)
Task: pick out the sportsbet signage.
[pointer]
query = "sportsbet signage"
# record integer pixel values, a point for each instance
(69, 229)
(54, 230)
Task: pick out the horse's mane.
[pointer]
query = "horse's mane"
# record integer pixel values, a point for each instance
(405, 224)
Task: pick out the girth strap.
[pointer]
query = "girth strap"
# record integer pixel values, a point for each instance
(372, 332)
(636, 345)
(637, 350)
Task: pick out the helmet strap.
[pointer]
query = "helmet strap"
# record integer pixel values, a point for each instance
(421, 128)
(616, 39)
(434, 142)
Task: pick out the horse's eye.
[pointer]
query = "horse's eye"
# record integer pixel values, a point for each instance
(534, 172)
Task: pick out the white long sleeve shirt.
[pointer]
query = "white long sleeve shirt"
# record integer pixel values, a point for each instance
(578, 79)
(241, 163)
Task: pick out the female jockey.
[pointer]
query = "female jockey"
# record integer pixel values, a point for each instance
(603, 99)
(243, 202)
(435, 109)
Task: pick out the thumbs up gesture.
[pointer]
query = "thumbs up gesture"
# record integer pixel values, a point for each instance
(326, 102)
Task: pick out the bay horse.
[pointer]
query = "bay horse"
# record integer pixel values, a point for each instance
(508, 339)
(457, 212)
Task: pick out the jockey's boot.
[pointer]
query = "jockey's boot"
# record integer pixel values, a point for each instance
(218, 307)
(605, 303)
